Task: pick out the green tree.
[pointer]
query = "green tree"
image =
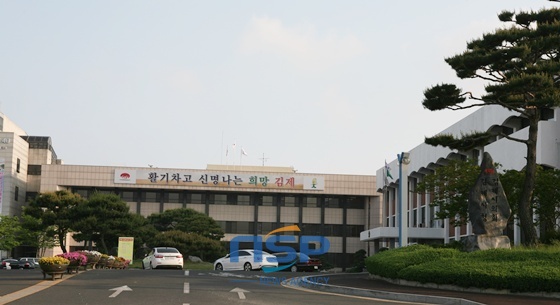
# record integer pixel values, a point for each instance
(546, 199)
(449, 186)
(189, 221)
(10, 228)
(521, 64)
(54, 209)
(190, 244)
(102, 219)
(33, 234)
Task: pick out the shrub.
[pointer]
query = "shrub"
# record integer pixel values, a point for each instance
(517, 270)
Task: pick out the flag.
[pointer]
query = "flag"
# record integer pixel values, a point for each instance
(243, 151)
(387, 173)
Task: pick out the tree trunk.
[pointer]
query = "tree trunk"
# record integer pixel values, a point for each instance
(528, 230)
(103, 245)
(61, 241)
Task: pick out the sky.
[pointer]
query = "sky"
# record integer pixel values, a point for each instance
(322, 86)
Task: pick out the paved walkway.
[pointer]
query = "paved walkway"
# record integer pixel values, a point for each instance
(362, 281)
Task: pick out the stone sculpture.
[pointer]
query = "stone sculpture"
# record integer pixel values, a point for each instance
(489, 210)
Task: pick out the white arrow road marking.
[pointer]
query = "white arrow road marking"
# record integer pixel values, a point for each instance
(240, 292)
(186, 288)
(118, 291)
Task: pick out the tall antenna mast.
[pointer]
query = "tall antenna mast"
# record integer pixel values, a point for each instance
(263, 159)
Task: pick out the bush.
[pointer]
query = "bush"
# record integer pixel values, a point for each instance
(517, 270)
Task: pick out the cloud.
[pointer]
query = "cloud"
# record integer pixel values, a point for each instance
(301, 44)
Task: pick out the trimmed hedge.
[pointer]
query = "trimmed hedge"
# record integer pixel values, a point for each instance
(517, 270)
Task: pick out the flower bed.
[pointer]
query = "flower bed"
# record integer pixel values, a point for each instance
(53, 266)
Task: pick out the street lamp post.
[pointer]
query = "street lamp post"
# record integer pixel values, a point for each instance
(404, 160)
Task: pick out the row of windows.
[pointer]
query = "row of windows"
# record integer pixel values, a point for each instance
(352, 202)
(244, 227)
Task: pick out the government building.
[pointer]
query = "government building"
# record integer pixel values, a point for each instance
(244, 200)
(419, 222)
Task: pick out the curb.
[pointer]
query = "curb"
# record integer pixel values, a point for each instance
(306, 284)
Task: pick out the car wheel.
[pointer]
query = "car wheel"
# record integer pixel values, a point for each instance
(143, 266)
(219, 267)
(247, 267)
(293, 268)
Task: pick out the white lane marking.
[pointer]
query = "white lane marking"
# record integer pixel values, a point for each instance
(240, 292)
(186, 288)
(187, 273)
(118, 291)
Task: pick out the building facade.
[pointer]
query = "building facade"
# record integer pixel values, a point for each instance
(420, 222)
(244, 200)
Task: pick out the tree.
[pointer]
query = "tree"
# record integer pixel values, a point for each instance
(190, 244)
(521, 64)
(102, 219)
(189, 221)
(10, 227)
(54, 209)
(449, 186)
(33, 234)
(546, 199)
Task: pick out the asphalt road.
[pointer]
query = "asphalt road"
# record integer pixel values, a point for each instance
(173, 287)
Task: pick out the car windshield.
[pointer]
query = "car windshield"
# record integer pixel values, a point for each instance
(167, 251)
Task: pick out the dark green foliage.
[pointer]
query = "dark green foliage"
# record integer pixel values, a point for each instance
(194, 232)
(465, 143)
(442, 96)
(191, 244)
(449, 186)
(390, 263)
(359, 260)
(10, 227)
(546, 199)
(103, 218)
(517, 270)
(54, 209)
(187, 220)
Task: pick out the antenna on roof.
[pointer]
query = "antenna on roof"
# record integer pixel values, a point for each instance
(263, 159)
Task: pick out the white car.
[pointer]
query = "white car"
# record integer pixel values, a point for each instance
(161, 257)
(246, 260)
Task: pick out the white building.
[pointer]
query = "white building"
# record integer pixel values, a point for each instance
(422, 227)
(244, 200)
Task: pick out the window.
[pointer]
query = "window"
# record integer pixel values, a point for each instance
(196, 198)
(289, 201)
(265, 200)
(127, 196)
(172, 197)
(310, 202)
(332, 202)
(218, 199)
(239, 227)
(18, 165)
(150, 197)
(34, 170)
(243, 199)
(353, 202)
(16, 195)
